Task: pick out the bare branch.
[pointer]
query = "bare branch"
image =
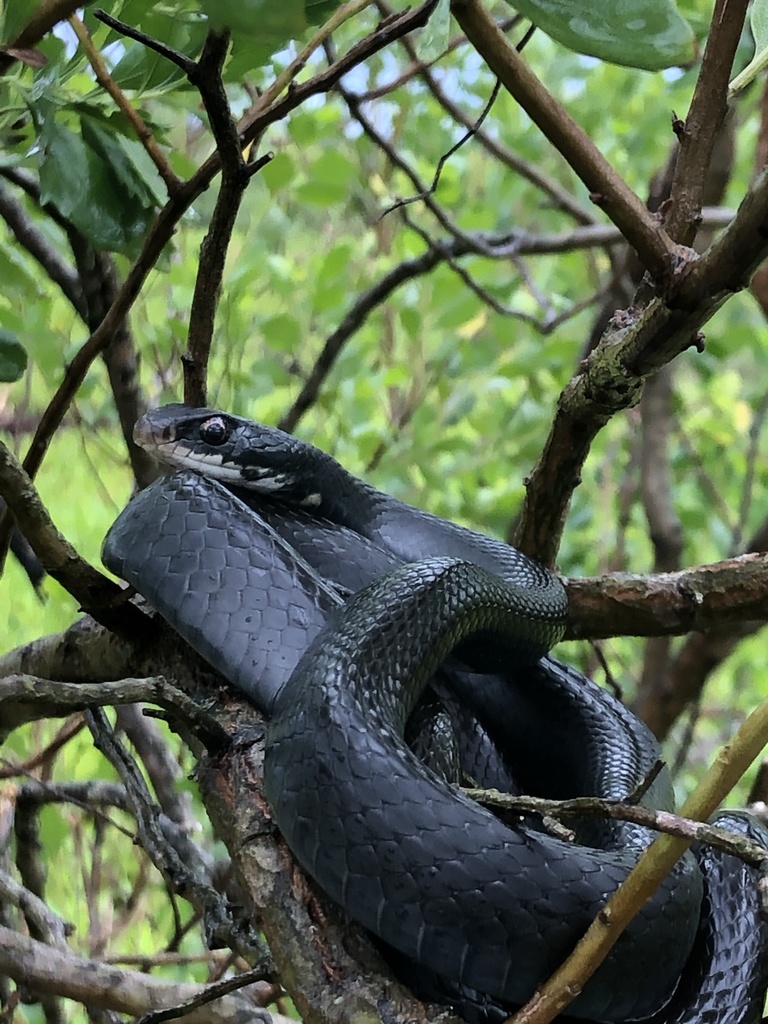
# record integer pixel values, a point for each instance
(213, 252)
(551, 188)
(638, 343)
(665, 528)
(50, 927)
(174, 56)
(644, 879)
(27, 698)
(94, 591)
(594, 807)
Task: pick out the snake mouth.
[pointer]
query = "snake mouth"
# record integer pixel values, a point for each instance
(148, 435)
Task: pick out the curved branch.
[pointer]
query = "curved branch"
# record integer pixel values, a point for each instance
(39, 248)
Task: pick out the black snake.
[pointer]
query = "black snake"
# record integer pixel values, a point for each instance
(485, 910)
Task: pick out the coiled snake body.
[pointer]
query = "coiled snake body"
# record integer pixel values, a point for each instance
(485, 909)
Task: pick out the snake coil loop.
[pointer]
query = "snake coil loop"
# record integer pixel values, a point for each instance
(484, 909)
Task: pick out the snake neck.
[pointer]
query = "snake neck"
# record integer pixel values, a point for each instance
(395, 633)
(319, 484)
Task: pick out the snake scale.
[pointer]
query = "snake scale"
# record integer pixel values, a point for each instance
(331, 606)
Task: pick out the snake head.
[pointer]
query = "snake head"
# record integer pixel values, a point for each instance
(237, 452)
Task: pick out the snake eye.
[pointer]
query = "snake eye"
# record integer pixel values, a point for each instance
(214, 431)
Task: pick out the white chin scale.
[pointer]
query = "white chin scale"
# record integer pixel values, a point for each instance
(212, 464)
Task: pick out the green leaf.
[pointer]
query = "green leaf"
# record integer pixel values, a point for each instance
(13, 357)
(92, 182)
(648, 34)
(278, 172)
(143, 69)
(758, 22)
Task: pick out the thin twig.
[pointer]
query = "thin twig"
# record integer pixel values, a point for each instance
(471, 131)
(665, 822)
(181, 60)
(109, 85)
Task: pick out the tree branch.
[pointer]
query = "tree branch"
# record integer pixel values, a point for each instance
(638, 343)
(555, 192)
(40, 249)
(644, 879)
(704, 598)
(213, 252)
(664, 822)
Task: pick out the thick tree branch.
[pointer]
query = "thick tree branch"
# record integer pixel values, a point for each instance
(670, 604)
(638, 344)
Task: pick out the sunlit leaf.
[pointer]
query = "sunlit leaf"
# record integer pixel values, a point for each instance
(648, 34)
